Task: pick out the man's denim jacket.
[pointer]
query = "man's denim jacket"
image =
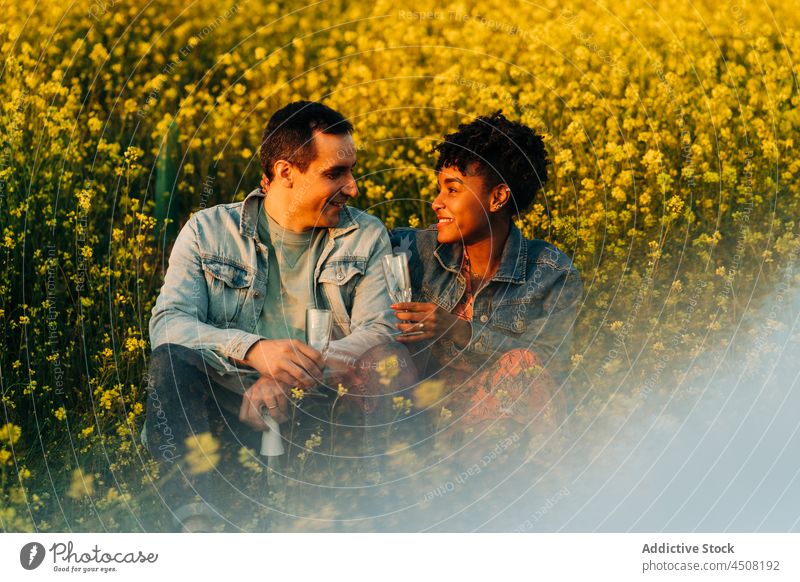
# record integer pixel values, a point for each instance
(216, 283)
(530, 303)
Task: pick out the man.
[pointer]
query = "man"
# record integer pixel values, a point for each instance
(228, 327)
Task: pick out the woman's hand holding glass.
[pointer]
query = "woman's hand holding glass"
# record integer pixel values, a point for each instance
(424, 321)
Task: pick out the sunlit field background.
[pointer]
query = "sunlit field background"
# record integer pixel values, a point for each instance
(671, 127)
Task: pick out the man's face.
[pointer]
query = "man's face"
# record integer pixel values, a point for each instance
(327, 185)
(462, 206)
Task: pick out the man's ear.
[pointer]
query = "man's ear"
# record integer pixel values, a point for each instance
(283, 173)
(499, 197)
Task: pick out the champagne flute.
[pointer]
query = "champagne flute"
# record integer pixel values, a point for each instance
(318, 335)
(318, 328)
(398, 279)
(398, 282)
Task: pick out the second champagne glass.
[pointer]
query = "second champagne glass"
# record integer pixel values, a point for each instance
(398, 279)
(318, 328)
(318, 335)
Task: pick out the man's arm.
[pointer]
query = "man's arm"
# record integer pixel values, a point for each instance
(181, 310)
(371, 319)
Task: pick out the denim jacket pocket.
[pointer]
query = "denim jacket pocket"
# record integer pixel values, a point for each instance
(510, 318)
(228, 286)
(338, 279)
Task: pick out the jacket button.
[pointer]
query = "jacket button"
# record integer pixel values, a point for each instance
(339, 276)
(257, 294)
(518, 324)
(484, 318)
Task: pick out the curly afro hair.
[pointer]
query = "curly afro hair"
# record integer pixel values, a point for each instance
(506, 152)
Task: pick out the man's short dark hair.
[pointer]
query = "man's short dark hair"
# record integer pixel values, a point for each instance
(506, 152)
(290, 131)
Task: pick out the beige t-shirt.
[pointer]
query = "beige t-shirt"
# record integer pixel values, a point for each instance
(290, 280)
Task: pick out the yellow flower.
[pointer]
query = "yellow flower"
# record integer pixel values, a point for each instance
(60, 413)
(17, 495)
(82, 485)
(388, 369)
(203, 453)
(113, 495)
(107, 399)
(10, 433)
(341, 390)
(247, 458)
(87, 431)
(445, 413)
(675, 206)
(132, 154)
(401, 404)
(4, 456)
(85, 199)
(24, 319)
(298, 393)
(132, 344)
(428, 393)
(313, 442)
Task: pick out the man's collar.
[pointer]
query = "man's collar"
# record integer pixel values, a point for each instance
(347, 222)
(513, 261)
(248, 222)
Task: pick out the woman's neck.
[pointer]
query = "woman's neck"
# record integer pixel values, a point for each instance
(484, 255)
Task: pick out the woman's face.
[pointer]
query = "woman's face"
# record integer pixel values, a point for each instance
(462, 206)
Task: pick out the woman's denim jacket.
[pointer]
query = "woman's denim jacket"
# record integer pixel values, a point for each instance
(216, 283)
(530, 303)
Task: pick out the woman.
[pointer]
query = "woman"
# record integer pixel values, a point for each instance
(492, 311)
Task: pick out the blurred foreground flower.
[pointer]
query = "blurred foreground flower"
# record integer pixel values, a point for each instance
(82, 485)
(203, 453)
(10, 433)
(428, 393)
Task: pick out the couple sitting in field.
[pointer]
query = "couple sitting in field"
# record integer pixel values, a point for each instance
(490, 315)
